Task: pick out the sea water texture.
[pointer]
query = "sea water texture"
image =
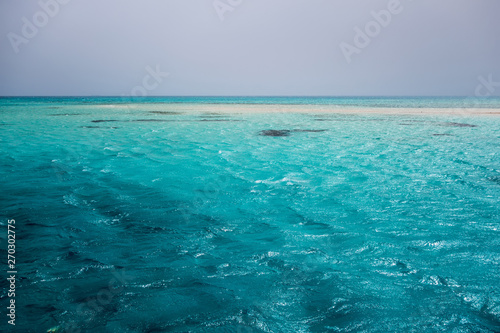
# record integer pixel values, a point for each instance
(135, 217)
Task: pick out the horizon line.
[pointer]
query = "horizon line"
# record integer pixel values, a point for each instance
(250, 96)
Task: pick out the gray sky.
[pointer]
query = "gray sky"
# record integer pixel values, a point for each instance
(248, 47)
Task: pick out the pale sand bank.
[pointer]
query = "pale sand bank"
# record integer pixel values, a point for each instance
(286, 108)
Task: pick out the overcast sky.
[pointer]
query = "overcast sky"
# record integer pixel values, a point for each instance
(248, 47)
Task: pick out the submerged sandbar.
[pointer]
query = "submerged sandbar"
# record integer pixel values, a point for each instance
(167, 108)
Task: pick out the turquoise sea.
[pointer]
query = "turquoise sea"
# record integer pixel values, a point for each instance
(142, 215)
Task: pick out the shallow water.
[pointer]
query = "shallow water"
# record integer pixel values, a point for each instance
(134, 218)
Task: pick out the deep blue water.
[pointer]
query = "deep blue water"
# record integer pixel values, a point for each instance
(140, 218)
